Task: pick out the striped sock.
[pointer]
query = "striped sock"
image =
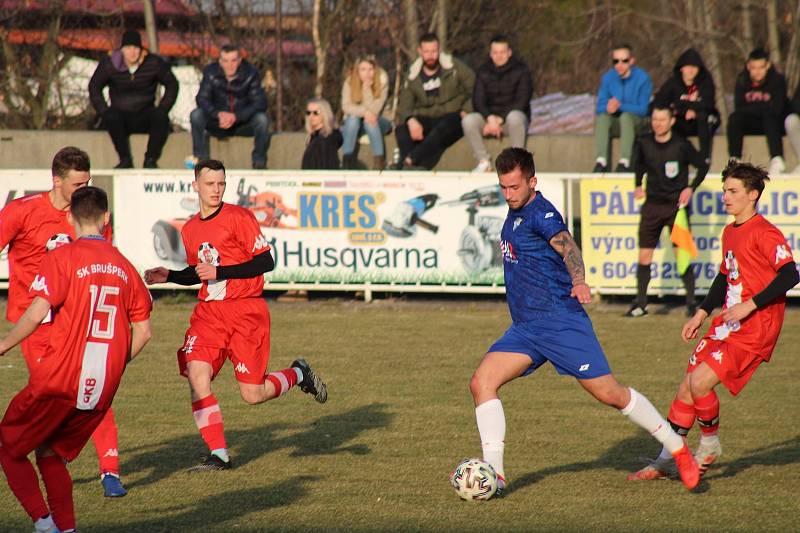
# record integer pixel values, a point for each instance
(208, 417)
(283, 380)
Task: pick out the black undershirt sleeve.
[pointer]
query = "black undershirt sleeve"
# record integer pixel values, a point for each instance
(187, 276)
(716, 294)
(258, 265)
(786, 278)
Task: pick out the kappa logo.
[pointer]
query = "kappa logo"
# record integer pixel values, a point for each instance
(550, 215)
(188, 347)
(241, 368)
(260, 243)
(717, 356)
(517, 222)
(781, 253)
(112, 452)
(40, 284)
(584, 367)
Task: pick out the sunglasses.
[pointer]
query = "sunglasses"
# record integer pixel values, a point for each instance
(626, 60)
(310, 112)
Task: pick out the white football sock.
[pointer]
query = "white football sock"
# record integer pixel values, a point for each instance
(45, 524)
(222, 453)
(642, 413)
(299, 375)
(492, 428)
(709, 440)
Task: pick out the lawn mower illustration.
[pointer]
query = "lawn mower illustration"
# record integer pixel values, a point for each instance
(268, 207)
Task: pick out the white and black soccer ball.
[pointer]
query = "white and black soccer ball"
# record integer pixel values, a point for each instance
(474, 479)
(59, 239)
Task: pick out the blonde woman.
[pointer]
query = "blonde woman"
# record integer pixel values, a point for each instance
(364, 94)
(324, 140)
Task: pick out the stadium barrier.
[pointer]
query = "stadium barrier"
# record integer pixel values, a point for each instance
(410, 231)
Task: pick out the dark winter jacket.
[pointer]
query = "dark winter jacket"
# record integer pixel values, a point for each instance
(135, 91)
(769, 96)
(676, 94)
(454, 95)
(243, 95)
(322, 153)
(499, 90)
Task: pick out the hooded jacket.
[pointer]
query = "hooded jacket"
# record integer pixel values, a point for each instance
(676, 94)
(769, 96)
(243, 96)
(499, 90)
(132, 91)
(455, 93)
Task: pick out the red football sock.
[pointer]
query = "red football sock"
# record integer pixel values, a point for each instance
(24, 483)
(58, 483)
(106, 443)
(707, 408)
(208, 417)
(681, 416)
(283, 380)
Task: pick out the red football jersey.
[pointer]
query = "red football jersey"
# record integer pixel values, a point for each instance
(95, 294)
(30, 226)
(751, 256)
(230, 236)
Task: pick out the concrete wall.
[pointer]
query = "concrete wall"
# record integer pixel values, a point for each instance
(554, 153)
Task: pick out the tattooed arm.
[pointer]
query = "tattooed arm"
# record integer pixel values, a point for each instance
(565, 245)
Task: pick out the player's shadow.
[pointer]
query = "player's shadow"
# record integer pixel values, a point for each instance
(776, 454)
(327, 435)
(208, 513)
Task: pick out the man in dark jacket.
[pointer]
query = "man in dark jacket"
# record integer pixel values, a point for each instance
(132, 76)
(690, 93)
(435, 97)
(231, 101)
(501, 98)
(759, 101)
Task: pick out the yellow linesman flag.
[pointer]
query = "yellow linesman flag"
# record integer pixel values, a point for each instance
(681, 237)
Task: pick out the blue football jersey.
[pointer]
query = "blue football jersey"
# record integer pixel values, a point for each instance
(537, 281)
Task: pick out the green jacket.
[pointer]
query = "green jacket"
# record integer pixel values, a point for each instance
(455, 94)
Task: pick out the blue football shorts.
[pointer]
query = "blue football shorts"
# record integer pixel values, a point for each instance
(567, 340)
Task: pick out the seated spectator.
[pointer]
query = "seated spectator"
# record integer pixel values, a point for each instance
(133, 76)
(622, 101)
(690, 93)
(792, 126)
(501, 98)
(324, 140)
(231, 102)
(759, 101)
(364, 94)
(435, 97)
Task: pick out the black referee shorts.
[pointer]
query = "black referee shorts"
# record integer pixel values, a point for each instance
(654, 216)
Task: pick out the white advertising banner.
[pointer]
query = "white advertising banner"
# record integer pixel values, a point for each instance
(337, 227)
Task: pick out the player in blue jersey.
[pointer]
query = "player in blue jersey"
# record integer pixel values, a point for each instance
(546, 290)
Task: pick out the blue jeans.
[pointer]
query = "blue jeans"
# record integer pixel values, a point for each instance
(257, 127)
(353, 126)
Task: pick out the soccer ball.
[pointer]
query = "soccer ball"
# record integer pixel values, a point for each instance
(474, 479)
(57, 240)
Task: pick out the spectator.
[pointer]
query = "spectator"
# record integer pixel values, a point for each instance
(132, 76)
(324, 140)
(622, 101)
(435, 97)
(231, 102)
(759, 101)
(690, 93)
(501, 98)
(364, 94)
(792, 126)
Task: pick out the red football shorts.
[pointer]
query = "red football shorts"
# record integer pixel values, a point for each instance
(733, 366)
(36, 345)
(32, 422)
(229, 329)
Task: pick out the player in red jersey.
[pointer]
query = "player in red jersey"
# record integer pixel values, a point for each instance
(30, 226)
(756, 272)
(228, 254)
(100, 309)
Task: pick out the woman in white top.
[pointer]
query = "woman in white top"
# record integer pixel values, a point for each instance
(364, 94)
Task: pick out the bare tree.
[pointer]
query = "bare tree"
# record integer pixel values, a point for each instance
(792, 63)
(747, 25)
(772, 33)
(411, 24)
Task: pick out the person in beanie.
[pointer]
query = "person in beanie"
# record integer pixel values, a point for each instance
(133, 76)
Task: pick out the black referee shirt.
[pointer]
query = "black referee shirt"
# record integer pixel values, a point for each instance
(667, 166)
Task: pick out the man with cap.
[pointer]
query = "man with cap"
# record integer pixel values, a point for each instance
(132, 76)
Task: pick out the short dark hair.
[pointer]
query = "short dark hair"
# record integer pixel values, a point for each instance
(429, 37)
(210, 164)
(500, 38)
(512, 158)
(88, 204)
(663, 106)
(758, 53)
(623, 46)
(228, 48)
(70, 158)
(753, 177)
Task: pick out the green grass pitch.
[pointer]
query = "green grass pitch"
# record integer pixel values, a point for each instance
(377, 456)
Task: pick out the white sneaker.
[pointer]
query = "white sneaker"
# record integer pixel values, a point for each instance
(484, 165)
(707, 454)
(776, 166)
